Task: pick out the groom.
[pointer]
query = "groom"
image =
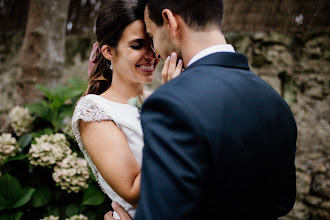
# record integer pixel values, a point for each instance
(219, 141)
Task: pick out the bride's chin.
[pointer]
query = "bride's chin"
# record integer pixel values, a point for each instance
(149, 79)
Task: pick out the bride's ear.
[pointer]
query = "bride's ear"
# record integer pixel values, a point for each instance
(171, 21)
(107, 52)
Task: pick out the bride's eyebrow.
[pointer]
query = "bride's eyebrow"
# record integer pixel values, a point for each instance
(137, 41)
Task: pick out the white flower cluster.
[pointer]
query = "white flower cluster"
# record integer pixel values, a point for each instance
(71, 174)
(68, 130)
(8, 146)
(21, 120)
(49, 149)
(50, 218)
(77, 217)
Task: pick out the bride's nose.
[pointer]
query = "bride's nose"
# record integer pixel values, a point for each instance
(150, 53)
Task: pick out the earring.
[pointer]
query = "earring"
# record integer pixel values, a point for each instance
(111, 67)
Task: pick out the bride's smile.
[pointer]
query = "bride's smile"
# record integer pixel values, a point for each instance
(133, 58)
(148, 67)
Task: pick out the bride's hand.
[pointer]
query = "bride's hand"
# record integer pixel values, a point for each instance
(171, 68)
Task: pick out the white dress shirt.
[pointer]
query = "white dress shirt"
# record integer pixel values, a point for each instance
(211, 50)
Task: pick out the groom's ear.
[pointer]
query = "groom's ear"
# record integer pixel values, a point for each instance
(171, 21)
(107, 52)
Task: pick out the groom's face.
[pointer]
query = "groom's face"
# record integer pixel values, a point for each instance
(161, 37)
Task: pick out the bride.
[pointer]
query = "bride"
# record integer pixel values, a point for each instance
(107, 129)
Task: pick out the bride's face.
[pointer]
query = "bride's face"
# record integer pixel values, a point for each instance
(134, 60)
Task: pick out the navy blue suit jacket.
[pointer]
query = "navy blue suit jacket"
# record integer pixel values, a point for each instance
(219, 144)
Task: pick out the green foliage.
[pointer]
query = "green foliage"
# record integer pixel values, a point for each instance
(12, 195)
(28, 191)
(17, 157)
(59, 103)
(12, 216)
(42, 196)
(93, 196)
(25, 140)
(72, 209)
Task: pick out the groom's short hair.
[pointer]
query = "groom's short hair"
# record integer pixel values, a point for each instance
(198, 14)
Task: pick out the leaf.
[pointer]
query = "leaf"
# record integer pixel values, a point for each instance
(91, 174)
(73, 93)
(93, 196)
(17, 157)
(44, 90)
(48, 131)
(10, 191)
(53, 210)
(25, 140)
(12, 216)
(26, 198)
(72, 210)
(77, 83)
(41, 197)
(66, 93)
(37, 134)
(57, 192)
(40, 109)
(60, 93)
(55, 105)
(66, 110)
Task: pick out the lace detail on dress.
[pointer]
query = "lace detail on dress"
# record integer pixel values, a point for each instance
(88, 110)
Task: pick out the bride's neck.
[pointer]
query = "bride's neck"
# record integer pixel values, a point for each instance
(121, 92)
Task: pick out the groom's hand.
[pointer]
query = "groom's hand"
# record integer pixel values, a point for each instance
(120, 211)
(171, 68)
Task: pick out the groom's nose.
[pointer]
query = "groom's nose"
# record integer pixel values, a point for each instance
(150, 53)
(154, 50)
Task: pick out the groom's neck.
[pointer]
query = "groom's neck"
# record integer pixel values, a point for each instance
(195, 41)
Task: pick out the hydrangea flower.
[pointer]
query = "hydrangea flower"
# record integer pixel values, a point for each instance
(8, 146)
(77, 217)
(50, 218)
(68, 130)
(21, 120)
(71, 174)
(49, 149)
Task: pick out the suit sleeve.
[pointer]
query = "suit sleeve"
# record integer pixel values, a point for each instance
(174, 161)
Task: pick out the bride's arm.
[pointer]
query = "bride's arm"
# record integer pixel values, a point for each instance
(109, 151)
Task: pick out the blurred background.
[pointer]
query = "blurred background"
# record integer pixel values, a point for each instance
(49, 43)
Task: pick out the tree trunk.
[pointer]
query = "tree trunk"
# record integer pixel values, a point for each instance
(42, 54)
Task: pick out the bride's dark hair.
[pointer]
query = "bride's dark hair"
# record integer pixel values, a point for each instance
(111, 22)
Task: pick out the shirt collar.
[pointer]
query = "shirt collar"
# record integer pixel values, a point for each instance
(211, 50)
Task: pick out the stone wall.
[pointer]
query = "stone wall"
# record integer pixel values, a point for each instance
(297, 66)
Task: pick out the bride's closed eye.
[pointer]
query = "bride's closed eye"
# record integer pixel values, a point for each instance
(137, 46)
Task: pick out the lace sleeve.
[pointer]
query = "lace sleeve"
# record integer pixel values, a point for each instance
(90, 111)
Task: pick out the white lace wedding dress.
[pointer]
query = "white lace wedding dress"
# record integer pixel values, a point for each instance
(94, 108)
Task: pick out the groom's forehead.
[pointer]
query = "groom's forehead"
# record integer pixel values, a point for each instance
(147, 20)
(146, 13)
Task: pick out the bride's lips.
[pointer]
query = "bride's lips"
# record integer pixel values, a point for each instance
(146, 67)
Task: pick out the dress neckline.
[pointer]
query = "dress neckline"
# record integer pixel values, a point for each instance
(113, 102)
